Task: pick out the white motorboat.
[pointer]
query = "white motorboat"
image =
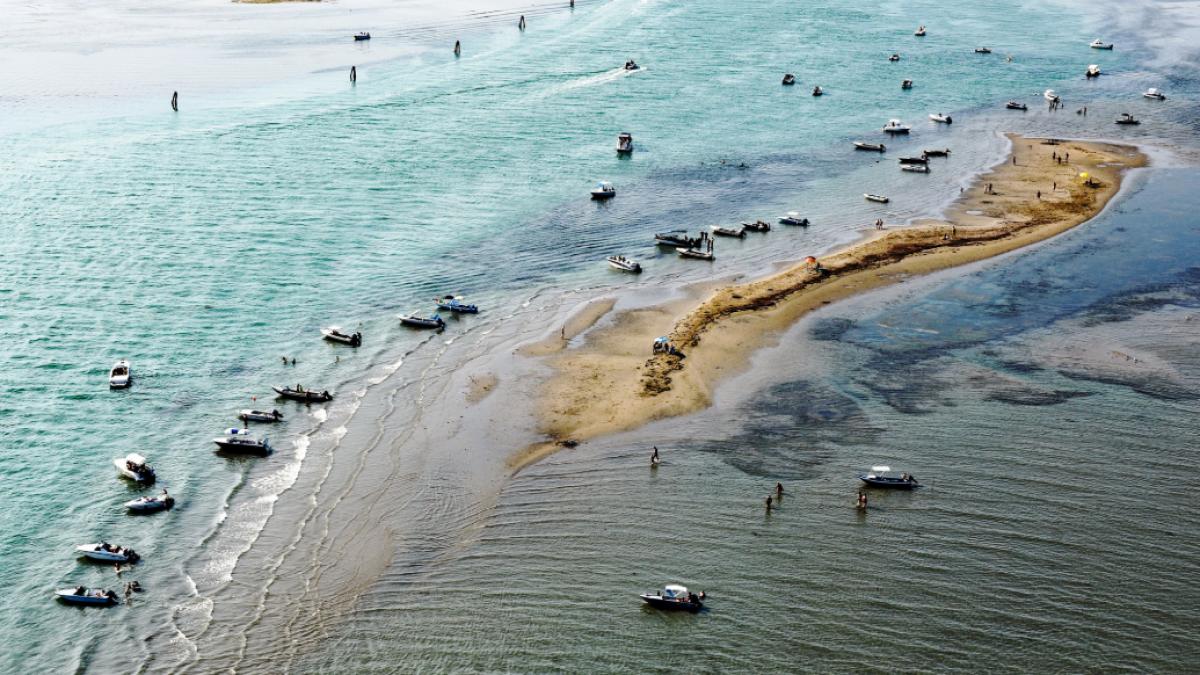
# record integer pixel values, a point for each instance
(696, 253)
(1050, 96)
(895, 127)
(624, 264)
(983, 50)
(794, 218)
(1092, 71)
(336, 334)
(82, 595)
(248, 415)
(873, 147)
(789, 79)
(625, 143)
(920, 32)
(1099, 44)
(105, 552)
(455, 304)
(414, 321)
(876, 198)
(1126, 118)
(134, 467)
(739, 232)
(1155, 94)
(301, 394)
(674, 238)
(915, 168)
(159, 502)
(675, 597)
(120, 376)
(939, 117)
(1014, 105)
(894, 57)
(604, 190)
(906, 84)
(241, 440)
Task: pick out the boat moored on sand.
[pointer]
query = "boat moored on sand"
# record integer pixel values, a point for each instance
(105, 552)
(241, 440)
(336, 334)
(82, 595)
(299, 393)
(134, 467)
(882, 477)
(624, 264)
(675, 597)
(120, 376)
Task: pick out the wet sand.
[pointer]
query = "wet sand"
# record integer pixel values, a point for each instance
(612, 382)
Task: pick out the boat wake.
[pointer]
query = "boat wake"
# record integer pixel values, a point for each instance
(593, 80)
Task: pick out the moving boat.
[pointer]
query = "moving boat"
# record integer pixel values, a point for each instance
(82, 595)
(1013, 105)
(915, 168)
(1092, 71)
(757, 226)
(604, 190)
(120, 376)
(1126, 118)
(359, 37)
(625, 143)
(914, 160)
(944, 152)
(673, 238)
(302, 394)
(878, 477)
(624, 264)
(335, 334)
(789, 79)
(135, 468)
(895, 127)
(739, 232)
(414, 321)
(906, 84)
(240, 440)
(894, 57)
(454, 303)
(920, 32)
(248, 415)
(873, 147)
(1155, 94)
(631, 65)
(695, 253)
(817, 91)
(876, 198)
(939, 117)
(159, 502)
(105, 552)
(794, 218)
(982, 50)
(675, 597)
(1097, 44)
(1050, 96)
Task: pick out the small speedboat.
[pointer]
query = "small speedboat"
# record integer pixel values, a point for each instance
(876, 198)
(134, 467)
(915, 168)
(673, 238)
(1098, 44)
(739, 232)
(336, 334)
(873, 147)
(675, 597)
(248, 415)
(757, 226)
(982, 50)
(82, 595)
(455, 304)
(1126, 118)
(914, 160)
(604, 190)
(939, 117)
(1050, 96)
(794, 218)
(944, 152)
(241, 440)
(625, 143)
(631, 65)
(414, 321)
(895, 127)
(789, 79)
(880, 476)
(624, 264)
(302, 394)
(1013, 105)
(359, 37)
(920, 32)
(894, 57)
(817, 91)
(159, 502)
(906, 84)
(105, 552)
(696, 253)
(1092, 71)
(1155, 94)
(120, 376)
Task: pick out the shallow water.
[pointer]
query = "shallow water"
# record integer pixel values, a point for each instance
(205, 245)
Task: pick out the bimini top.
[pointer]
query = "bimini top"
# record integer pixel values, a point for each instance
(675, 591)
(881, 469)
(135, 458)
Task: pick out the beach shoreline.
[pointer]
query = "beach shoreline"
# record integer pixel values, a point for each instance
(613, 383)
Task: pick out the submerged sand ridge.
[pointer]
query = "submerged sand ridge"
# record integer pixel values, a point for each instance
(613, 383)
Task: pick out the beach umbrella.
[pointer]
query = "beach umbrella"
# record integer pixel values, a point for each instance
(810, 260)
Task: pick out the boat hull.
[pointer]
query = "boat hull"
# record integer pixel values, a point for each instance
(242, 448)
(70, 598)
(150, 506)
(889, 483)
(305, 396)
(658, 602)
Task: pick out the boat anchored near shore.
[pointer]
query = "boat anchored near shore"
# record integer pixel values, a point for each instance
(241, 440)
(881, 199)
(299, 393)
(134, 467)
(624, 264)
(880, 476)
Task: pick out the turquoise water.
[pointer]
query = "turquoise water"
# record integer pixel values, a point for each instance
(205, 245)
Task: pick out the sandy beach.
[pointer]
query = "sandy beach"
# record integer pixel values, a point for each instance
(612, 382)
